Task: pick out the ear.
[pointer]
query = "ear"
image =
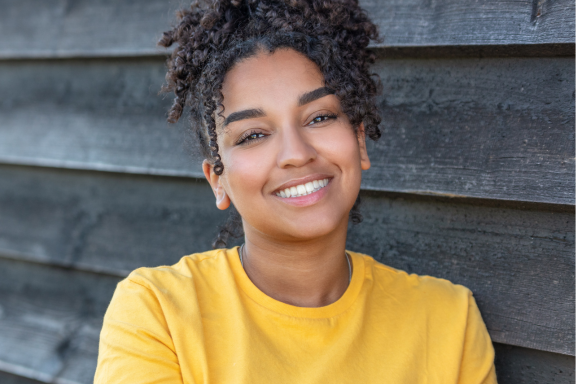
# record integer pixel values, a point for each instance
(364, 160)
(222, 199)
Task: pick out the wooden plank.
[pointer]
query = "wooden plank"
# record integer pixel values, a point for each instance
(109, 223)
(7, 378)
(519, 261)
(515, 365)
(476, 51)
(90, 114)
(37, 299)
(82, 28)
(423, 23)
(82, 355)
(487, 128)
(45, 311)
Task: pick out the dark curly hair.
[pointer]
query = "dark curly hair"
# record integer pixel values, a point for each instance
(213, 36)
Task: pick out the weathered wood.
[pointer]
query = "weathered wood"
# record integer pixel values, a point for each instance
(488, 128)
(82, 28)
(82, 355)
(45, 314)
(452, 22)
(109, 223)
(7, 378)
(103, 115)
(515, 365)
(518, 261)
(476, 51)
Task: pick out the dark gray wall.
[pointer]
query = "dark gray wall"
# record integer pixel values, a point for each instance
(473, 179)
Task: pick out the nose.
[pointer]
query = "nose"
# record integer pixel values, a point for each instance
(295, 150)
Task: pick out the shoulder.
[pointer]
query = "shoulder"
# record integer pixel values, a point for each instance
(419, 290)
(442, 313)
(163, 279)
(165, 292)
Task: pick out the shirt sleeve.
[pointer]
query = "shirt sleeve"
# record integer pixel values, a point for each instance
(477, 365)
(135, 344)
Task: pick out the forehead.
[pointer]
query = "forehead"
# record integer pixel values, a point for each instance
(269, 78)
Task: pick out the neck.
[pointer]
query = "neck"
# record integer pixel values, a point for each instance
(311, 273)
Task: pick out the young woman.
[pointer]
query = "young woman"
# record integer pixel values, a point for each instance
(282, 100)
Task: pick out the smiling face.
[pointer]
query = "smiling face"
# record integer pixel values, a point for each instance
(292, 161)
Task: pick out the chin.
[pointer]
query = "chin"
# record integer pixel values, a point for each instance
(308, 229)
(306, 234)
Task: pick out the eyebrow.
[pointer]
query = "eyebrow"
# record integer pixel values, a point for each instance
(304, 99)
(309, 97)
(245, 114)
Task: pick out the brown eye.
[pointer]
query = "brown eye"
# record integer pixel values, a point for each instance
(321, 119)
(250, 137)
(254, 136)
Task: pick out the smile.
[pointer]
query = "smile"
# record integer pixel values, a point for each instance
(303, 189)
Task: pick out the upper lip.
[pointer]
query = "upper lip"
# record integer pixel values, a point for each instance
(302, 180)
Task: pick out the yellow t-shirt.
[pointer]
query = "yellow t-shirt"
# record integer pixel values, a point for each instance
(203, 321)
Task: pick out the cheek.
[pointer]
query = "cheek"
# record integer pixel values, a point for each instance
(246, 174)
(340, 146)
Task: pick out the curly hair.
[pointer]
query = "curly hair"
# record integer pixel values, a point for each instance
(213, 36)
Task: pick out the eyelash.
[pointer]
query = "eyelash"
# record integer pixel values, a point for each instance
(328, 116)
(244, 139)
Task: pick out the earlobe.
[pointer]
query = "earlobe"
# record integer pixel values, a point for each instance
(222, 199)
(364, 159)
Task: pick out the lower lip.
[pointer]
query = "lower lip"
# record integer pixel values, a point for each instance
(303, 201)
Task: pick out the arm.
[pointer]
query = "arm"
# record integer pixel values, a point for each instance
(477, 366)
(135, 344)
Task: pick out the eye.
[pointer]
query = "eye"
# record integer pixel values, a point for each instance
(321, 119)
(249, 137)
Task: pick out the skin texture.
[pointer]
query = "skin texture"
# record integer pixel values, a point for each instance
(294, 254)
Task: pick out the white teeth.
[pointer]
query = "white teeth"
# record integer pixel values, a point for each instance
(303, 189)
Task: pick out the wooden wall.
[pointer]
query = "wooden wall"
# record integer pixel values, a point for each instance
(473, 179)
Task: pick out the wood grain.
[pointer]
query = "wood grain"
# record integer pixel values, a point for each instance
(517, 365)
(45, 314)
(82, 28)
(478, 128)
(487, 128)
(108, 223)
(7, 378)
(462, 23)
(81, 355)
(97, 114)
(518, 260)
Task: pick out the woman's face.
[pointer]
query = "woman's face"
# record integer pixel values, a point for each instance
(292, 161)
